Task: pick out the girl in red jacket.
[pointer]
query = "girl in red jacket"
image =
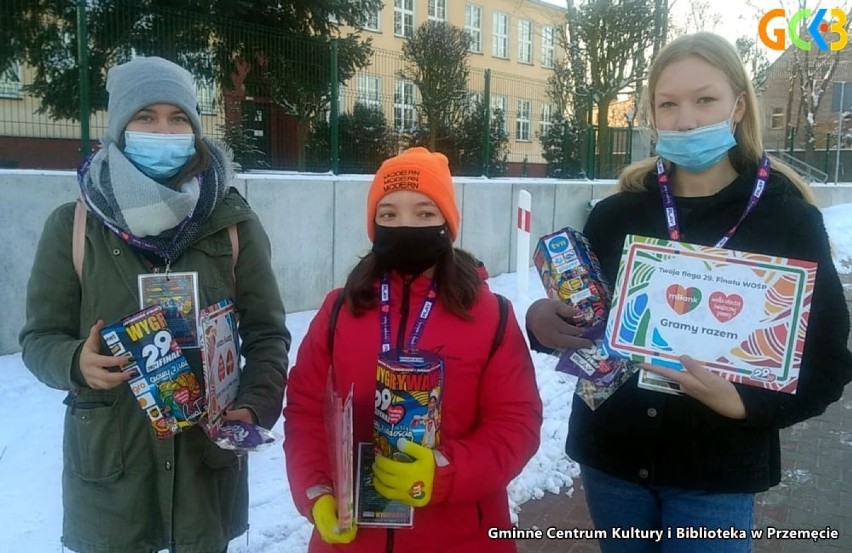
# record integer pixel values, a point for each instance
(415, 293)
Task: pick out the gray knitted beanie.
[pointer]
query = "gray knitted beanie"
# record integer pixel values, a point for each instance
(145, 81)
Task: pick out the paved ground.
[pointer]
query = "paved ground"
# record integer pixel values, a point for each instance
(815, 491)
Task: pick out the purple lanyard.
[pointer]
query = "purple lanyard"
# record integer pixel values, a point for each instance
(671, 210)
(384, 315)
(123, 234)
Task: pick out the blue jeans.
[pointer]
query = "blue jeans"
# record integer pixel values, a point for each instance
(674, 520)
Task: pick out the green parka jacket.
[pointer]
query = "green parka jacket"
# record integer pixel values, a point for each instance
(125, 491)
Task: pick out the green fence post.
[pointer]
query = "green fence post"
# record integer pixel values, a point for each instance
(486, 134)
(629, 144)
(83, 66)
(827, 145)
(792, 139)
(334, 127)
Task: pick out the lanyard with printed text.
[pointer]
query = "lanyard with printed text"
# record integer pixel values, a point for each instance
(384, 314)
(671, 211)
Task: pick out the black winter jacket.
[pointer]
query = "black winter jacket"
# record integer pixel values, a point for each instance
(659, 439)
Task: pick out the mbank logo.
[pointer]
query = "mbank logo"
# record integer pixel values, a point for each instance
(817, 28)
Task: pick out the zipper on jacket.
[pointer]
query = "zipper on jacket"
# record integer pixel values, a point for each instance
(403, 313)
(389, 546)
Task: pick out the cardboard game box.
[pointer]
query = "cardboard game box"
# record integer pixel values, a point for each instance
(162, 381)
(408, 403)
(571, 273)
(744, 315)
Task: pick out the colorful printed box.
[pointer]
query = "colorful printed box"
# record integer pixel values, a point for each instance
(571, 273)
(744, 315)
(408, 402)
(162, 381)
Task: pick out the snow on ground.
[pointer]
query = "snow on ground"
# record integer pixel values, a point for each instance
(31, 454)
(31, 441)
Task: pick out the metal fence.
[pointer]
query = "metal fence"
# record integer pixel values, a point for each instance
(281, 101)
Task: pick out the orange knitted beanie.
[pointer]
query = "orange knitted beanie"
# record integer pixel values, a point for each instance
(418, 170)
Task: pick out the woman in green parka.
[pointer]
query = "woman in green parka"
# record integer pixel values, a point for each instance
(159, 199)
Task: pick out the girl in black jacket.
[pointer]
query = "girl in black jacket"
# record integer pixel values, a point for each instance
(654, 461)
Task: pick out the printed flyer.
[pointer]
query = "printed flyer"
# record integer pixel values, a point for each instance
(220, 358)
(743, 315)
(339, 431)
(371, 507)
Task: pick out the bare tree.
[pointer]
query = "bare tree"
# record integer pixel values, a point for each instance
(700, 15)
(607, 44)
(811, 71)
(754, 59)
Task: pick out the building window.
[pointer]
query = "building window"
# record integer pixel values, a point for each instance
(548, 42)
(499, 104)
(10, 82)
(369, 91)
(522, 121)
(438, 10)
(777, 120)
(546, 121)
(404, 110)
(371, 21)
(524, 41)
(500, 41)
(403, 18)
(473, 26)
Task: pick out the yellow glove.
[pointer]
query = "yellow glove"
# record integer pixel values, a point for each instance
(410, 483)
(324, 512)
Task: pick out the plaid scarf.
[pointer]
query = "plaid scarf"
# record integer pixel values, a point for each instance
(155, 217)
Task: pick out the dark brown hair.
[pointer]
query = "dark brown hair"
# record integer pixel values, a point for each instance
(456, 274)
(196, 164)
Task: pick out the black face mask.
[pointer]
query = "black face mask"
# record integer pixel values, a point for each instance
(410, 250)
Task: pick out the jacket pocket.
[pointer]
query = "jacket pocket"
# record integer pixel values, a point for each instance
(92, 443)
(215, 457)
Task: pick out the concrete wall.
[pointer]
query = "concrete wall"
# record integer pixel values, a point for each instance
(316, 225)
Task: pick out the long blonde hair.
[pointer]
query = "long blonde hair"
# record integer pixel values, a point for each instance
(719, 53)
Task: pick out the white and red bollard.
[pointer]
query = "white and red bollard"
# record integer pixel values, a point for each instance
(522, 263)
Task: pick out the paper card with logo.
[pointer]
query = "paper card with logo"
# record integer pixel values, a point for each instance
(744, 315)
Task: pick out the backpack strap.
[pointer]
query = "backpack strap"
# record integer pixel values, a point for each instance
(78, 238)
(332, 321)
(503, 308)
(234, 236)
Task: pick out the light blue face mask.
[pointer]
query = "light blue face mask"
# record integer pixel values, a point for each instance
(697, 149)
(160, 156)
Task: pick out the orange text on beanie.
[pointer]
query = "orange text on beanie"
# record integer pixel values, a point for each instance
(418, 170)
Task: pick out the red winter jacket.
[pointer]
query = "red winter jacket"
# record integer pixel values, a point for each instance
(490, 418)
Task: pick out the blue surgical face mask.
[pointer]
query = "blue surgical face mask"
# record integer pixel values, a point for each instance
(697, 149)
(160, 156)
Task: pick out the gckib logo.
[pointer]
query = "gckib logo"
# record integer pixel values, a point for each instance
(817, 28)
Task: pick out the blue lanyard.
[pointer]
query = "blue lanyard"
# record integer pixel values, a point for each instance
(671, 211)
(384, 314)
